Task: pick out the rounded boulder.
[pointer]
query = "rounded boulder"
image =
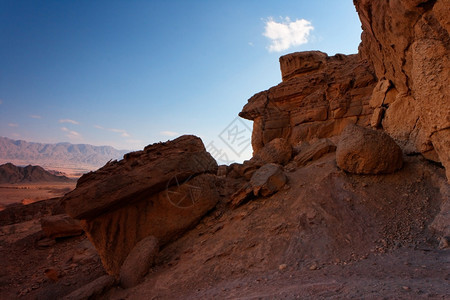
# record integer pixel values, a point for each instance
(365, 151)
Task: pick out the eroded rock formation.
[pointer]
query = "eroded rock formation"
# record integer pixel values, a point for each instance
(318, 97)
(160, 191)
(408, 44)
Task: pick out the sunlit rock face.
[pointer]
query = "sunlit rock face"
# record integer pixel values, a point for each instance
(318, 97)
(407, 43)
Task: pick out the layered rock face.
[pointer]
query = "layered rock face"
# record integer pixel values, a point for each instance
(408, 44)
(318, 97)
(160, 191)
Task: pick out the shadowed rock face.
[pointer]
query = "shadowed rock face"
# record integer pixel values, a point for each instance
(408, 44)
(318, 97)
(160, 191)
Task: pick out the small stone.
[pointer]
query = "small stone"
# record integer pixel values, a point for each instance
(314, 266)
(444, 243)
(282, 267)
(406, 288)
(52, 274)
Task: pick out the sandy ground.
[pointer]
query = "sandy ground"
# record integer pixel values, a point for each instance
(32, 192)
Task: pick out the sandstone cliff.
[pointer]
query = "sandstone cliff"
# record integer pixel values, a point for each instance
(318, 97)
(399, 82)
(408, 44)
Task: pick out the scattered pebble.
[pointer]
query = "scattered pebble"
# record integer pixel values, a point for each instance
(282, 267)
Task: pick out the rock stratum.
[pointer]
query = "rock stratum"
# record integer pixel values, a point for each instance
(408, 45)
(347, 182)
(318, 97)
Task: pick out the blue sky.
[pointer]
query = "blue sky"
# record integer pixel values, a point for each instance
(132, 73)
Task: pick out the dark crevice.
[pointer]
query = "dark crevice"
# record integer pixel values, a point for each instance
(427, 5)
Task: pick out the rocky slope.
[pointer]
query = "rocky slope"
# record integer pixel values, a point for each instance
(10, 173)
(62, 154)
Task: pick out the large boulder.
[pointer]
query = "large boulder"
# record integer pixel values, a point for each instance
(365, 151)
(161, 191)
(138, 175)
(138, 262)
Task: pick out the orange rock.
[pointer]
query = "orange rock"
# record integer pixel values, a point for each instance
(365, 151)
(407, 44)
(318, 97)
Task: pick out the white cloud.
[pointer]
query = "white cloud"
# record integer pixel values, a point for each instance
(169, 133)
(122, 132)
(251, 44)
(287, 33)
(13, 125)
(35, 117)
(69, 121)
(70, 133)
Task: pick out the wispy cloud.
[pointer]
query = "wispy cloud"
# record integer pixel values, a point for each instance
(1, 101)
(122, 132)
(13, 125)
(69, 121)
(35, 117)
(169, 133)
(70, 133)
(287, 33)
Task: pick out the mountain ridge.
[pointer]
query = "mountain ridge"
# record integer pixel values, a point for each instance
(9, 173)
(62, 154)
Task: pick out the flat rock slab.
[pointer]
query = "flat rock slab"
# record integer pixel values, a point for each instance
(137, 176)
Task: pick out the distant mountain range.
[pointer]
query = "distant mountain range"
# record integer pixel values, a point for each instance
(10, 173)
(56, 156)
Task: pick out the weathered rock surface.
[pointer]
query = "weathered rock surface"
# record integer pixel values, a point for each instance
(268, 180)
(407, 42)
(365, 151)
(59, 226)
(138, 262)
(264, 182)
(318, 97)
(138, 175)
(277, 151)
(160, 191)
(313, 151)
